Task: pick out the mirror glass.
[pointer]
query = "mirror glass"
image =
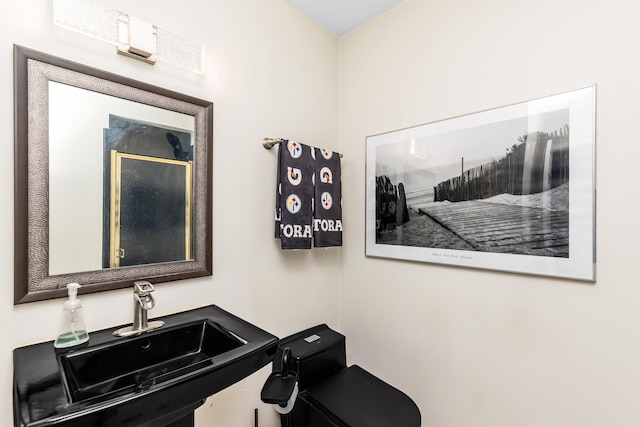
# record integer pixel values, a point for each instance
(112, 180)
(80, 144)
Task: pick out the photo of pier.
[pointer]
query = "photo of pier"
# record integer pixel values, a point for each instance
(498, 187)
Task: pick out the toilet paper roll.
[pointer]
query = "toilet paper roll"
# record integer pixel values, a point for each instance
(292, 400)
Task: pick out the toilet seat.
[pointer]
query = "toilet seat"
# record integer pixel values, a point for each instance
(356, 398)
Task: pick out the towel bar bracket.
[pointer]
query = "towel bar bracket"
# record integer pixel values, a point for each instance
(268, 143)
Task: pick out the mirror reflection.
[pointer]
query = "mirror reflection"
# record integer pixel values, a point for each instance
(149, 211)
(120, 182)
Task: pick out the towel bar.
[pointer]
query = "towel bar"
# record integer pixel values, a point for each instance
(268, 143)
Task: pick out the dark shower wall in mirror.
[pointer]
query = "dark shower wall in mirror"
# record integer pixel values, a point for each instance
(135, 137)
(152, 211)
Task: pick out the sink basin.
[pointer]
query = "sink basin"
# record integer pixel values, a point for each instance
(138, 363)
(155, 379)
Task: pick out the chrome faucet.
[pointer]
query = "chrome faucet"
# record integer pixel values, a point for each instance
(142, 302)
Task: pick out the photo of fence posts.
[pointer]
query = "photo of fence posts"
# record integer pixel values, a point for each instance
(516, 204)
(538, 163)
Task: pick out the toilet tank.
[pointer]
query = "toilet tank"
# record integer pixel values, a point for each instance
(316, 354)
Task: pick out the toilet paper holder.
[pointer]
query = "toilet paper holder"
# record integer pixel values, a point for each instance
(281, 387)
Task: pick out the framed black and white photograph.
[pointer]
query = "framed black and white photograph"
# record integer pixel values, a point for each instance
(511, 189)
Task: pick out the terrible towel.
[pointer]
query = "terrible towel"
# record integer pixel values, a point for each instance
(294, 195)
(327, 221)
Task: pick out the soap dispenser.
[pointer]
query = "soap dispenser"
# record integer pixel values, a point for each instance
(73, 330)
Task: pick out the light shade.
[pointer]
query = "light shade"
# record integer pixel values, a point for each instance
(132, 36)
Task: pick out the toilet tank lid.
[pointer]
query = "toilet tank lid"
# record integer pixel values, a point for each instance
(311, 341)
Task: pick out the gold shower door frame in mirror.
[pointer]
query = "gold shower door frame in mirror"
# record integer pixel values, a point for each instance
(33, 74)
(162, 245)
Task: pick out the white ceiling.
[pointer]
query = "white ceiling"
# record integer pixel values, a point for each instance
(342, 16)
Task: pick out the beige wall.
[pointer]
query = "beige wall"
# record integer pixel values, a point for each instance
(270, 73)
(480, 348)
(472, 347)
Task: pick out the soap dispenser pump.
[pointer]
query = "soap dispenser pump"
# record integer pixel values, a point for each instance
(73, 330)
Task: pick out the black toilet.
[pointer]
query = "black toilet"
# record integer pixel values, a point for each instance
(312, 364)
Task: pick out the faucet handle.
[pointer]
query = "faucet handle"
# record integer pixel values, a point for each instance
(142, 287)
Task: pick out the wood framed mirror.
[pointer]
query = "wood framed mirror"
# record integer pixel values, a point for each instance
(68, 121)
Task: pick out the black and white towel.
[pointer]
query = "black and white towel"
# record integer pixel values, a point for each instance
(327, 221)
(294, 195)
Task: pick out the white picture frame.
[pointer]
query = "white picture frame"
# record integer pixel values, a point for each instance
(509, 189)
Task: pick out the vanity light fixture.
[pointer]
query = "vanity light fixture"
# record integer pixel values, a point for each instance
(132, 36)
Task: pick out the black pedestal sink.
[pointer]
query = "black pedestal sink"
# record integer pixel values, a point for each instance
(155, 379)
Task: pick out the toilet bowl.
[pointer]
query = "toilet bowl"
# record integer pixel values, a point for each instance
(311, 386)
